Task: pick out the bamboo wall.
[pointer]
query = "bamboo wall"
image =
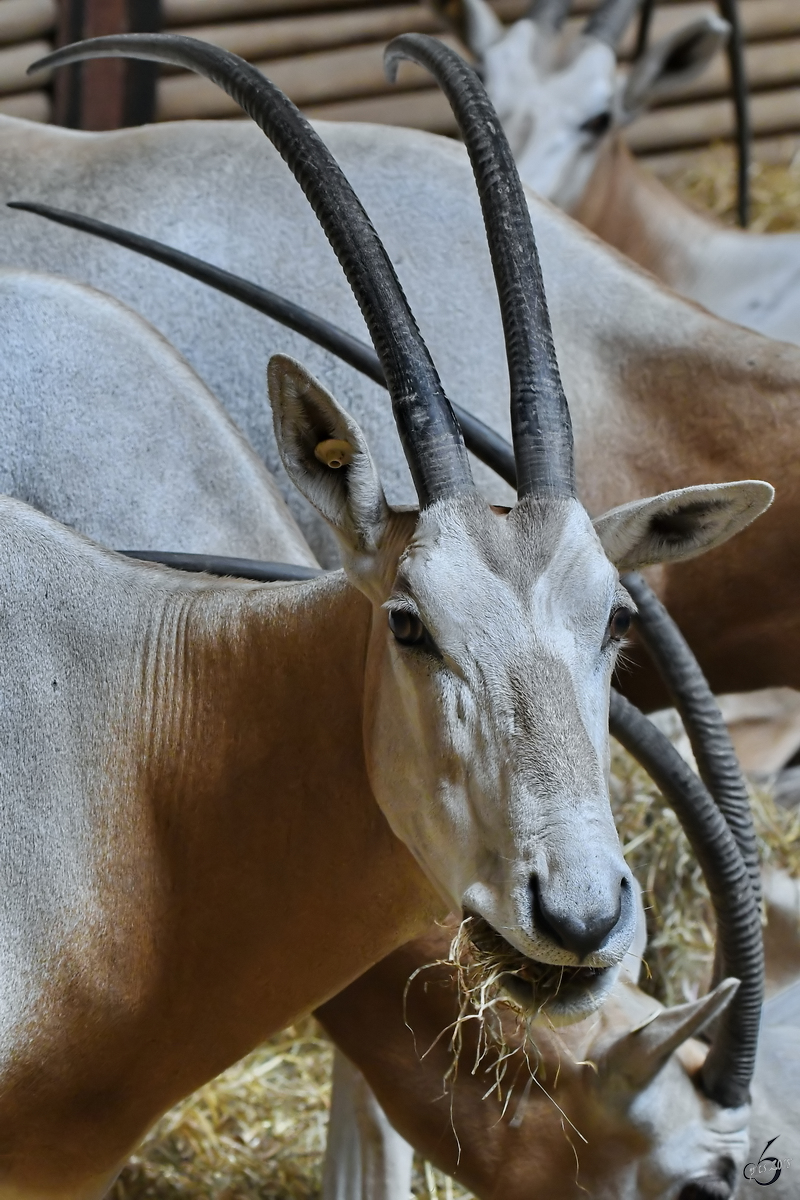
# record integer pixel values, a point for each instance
(327, 55)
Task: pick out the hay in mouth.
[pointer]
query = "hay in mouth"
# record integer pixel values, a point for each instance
(496, 982)
(490, 971)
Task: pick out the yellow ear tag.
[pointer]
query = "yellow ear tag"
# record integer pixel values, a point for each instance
(334, 453)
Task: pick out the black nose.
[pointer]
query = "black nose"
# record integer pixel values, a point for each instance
(582, 934)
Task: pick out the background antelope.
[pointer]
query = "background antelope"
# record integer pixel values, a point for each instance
(106, 428)
(632, 1094)
(563, 106)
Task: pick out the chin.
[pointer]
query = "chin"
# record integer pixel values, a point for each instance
(561, 997)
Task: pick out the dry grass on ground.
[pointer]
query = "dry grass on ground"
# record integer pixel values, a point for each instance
(710, 185)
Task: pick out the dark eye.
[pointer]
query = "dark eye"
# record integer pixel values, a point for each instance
(597, 126)
(619, 623)
(406, 627)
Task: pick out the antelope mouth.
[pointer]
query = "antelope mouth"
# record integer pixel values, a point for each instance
(557, 994)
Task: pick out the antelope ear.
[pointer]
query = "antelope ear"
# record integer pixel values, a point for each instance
(326, 456)
(473, 21)
(679, 525)
(672, 62)
(639, 1055)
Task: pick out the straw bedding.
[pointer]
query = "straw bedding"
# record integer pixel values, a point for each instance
(258, 1131)
(709, 184)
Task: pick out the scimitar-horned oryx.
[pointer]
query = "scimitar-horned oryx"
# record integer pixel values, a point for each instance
(159, 464)
(563, 107)
(244, 795)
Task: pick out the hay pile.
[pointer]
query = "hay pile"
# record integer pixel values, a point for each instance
(710, 185)
(258, 1131)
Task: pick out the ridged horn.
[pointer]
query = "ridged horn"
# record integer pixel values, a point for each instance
(431, 439)
(728, 1069)
(610, 19)
(540, 421)
(708, 734)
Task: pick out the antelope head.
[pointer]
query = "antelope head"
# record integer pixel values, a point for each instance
(561, 100)
(493, 633)
(633, 1089)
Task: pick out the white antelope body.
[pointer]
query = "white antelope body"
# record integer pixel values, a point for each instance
(563, 104)
(107, 429)
(223, 777)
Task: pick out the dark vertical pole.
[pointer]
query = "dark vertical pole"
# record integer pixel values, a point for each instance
(105, 93)
(729, 9)
(140, 91)
(67, 82)
(645, 21)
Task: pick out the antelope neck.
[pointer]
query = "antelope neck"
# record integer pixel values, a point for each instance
(632, 210)
(253, 872)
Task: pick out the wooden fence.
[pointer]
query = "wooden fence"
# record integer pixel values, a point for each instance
(327, 55)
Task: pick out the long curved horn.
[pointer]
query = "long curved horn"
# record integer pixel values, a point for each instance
(540, 418)
(708, 734)
(728, 1069)
(218, 564)
(610, 19)
(428, 430)
(729, 9)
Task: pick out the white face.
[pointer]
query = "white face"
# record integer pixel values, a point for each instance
(486, 729)
(556, 111)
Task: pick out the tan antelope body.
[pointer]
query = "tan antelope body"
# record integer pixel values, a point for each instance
(749, 278)
(563, 103)
(182, 875)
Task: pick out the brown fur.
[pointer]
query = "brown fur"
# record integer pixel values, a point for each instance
(698, 405)
(630, 209)
(238, 859)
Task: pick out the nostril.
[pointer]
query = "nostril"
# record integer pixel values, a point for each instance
(717, 1186)
(580, 930)
(541, 922)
